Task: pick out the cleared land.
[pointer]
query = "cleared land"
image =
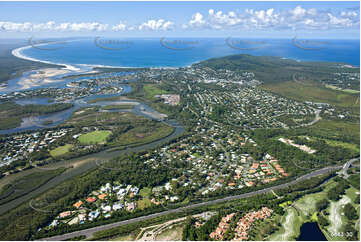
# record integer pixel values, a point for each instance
(152, 90)
(141, 135)
(94, 137)
(291, 224)
(312, 91)
(334, 129)
(61, 150)
(112, 107)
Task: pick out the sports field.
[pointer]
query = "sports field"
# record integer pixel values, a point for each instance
(94, 137)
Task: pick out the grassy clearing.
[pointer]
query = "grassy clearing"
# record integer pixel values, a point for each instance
(112, 107)
(171, 234)
(312, 91)
(61, 150)
(307, 204)
(303, 210)
(350, 91)
(343, 90)
(343, 144)
(94, 137)
(144, 203)
(290, 229)
(145, 192)
(152, 90)
(336, 219)
(334, 129)
(352, 194)
(143, 134)
(128, 237)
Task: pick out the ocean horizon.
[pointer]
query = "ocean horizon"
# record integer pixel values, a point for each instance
(176, 52)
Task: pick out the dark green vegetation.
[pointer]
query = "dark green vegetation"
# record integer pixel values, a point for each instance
(312, 91)
(334, 140)
(242, 207)
(99, 131)
(11, 66)
(27, 184)
(355, 180)
(350, 212)
(275, 69)
(152, 90)
(336, 192)
(62, 197)
(12, 113)
(145, 91)
(325, 154)
(127, 129)
(77, 238)
(114, 107)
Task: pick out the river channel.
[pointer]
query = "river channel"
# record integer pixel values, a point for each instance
(79, 165)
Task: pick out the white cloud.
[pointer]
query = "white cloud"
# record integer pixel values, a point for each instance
(298, 18)
(52, 26)
(120, 27)
(156, 25)
(268, 19)
(197, 21)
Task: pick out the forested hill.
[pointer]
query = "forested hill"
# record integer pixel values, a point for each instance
(275, 69)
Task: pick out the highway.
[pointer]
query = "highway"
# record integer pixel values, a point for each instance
(346, 166)
(89, 232)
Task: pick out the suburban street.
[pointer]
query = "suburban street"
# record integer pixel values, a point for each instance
(89, 232)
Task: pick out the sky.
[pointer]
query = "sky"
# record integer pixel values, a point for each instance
(324, 20)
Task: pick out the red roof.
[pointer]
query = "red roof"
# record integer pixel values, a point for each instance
(91, 199)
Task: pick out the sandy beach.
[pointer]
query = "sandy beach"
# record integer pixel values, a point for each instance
(40, 78)
(18, 53)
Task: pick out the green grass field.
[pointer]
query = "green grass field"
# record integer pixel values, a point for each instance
(94, 137)
(145, 192)
(335, 129)
(350, 91)
(152, 90)
(112, 107)
(61, 150)
(343, 144)
(313, 91)
(142, 134)
(144, 203)
(291, 224)
(304, 209)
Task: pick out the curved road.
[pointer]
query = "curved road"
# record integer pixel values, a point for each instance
(89, 232)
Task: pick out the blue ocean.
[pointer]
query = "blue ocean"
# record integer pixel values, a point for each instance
(173, 52)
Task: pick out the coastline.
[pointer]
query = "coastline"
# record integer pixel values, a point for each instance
(18, 53)
(90, 67)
